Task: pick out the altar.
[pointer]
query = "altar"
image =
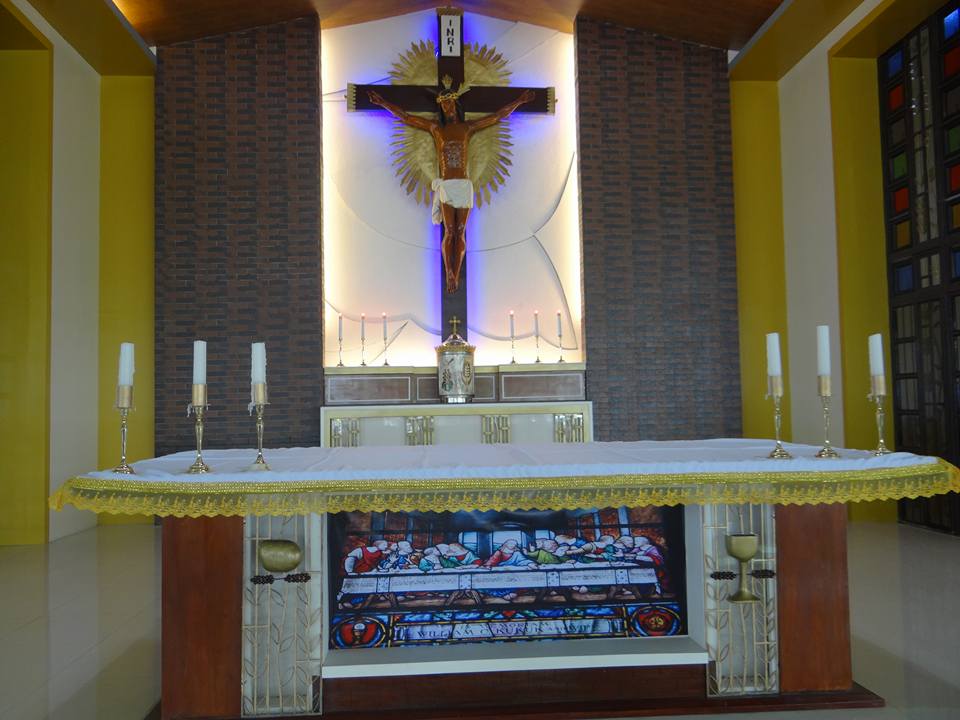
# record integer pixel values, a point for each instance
(312, 602)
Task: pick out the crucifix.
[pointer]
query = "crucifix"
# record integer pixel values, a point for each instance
(450, 99)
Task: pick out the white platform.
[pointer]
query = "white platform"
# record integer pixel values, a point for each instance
(501, 657)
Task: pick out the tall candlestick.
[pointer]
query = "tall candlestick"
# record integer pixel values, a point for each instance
(774, 368)
(513, 355)
(560, 336)
(536, 332)
(384, 316)
(823, 350)
(258, 363)
(339, 339)
(199, 362)
(125, 374)
(363, 339)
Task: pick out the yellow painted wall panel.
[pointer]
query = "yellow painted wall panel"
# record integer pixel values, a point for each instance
(126, 263)
(761, 286)
(25, 195)
(861, 250)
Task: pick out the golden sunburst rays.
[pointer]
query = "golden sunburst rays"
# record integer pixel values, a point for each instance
(414, 154)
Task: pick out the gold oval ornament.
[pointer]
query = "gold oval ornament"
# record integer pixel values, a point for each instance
(279, 555)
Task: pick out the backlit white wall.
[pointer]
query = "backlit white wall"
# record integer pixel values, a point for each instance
(74, 271)
(381, 253)
(810, 232)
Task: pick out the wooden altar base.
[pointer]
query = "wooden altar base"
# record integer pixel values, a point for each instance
(857, 697)
(202, 600)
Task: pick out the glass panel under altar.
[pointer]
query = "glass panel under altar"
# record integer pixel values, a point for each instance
(415, 579)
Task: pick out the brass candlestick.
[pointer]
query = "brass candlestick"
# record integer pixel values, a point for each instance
(259, 399)
(878, 393)
(124, 405)
(743, 548)
(363, 350)
(560, 344)
(198, 406)
(823, 386)
(340, 351)
(537, 337)
(775, 391)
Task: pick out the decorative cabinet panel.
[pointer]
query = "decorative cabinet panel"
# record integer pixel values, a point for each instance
(457, 424)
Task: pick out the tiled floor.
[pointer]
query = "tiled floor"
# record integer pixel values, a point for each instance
(80, 621)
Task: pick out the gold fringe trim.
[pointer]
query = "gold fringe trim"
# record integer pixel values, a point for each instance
(194, 499)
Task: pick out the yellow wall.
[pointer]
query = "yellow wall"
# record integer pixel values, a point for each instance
(758, 199)
(126, 262)
(861, 249)
(26, 89)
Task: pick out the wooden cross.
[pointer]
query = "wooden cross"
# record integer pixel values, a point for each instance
(422, 98)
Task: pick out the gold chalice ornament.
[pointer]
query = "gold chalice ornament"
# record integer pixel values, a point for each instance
(279, 556)
(742, 548)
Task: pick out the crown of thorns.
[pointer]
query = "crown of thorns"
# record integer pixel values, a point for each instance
(451, 94)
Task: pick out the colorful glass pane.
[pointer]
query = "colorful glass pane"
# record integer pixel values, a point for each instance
(955, 273)
(951, 63)
(954, 174)
(951, 103)
(903, 278)
(895, 98)
(955, 217)
(898, 166)
(898, 132)
(901, 200)
(953, 139)
(895, 63)
(951, 24)
(902, 234)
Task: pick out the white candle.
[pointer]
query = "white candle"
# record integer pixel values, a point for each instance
(536, 323)
(258, 363)
(363, 327)
(823, 350)
(340, 327)
(774, 368)
(384, 316)
(559, 325)
(511, 325)
(199, 362)
(875, 343)
(125, 376)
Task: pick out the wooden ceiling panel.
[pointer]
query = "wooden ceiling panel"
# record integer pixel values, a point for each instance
(719, 23)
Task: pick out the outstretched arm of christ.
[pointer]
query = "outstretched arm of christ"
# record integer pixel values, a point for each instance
(399, 113)
(503, 113)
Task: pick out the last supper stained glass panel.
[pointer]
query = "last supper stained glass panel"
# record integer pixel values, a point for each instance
(405, 579)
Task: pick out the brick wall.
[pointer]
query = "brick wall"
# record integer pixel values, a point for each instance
(659, 254)
(238, 231)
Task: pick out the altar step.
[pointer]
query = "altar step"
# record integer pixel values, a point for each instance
(520, 656)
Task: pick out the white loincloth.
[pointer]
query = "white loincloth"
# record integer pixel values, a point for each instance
(457, 193)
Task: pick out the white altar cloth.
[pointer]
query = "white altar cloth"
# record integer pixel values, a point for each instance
(505, 476)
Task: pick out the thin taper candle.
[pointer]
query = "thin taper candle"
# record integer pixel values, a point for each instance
(823, 350)
(340, 327)
(125, 374)
(536, 323)
(875, 345)
(199, 362)
(258, 362)
(363, 326)
(774, 368)
(384, 316)
(512, 334)
(559, 325)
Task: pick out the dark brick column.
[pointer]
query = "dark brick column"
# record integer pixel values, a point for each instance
(659, 251)
(238, 230)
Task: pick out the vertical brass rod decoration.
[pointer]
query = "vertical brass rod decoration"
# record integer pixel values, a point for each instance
(827, 451)
(776, 392)
(124, 405)
(259, 404)
(198, 406)
(878, 393)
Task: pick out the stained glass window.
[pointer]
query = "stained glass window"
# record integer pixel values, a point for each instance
(919, 84)
(951, 24)
(903, 278)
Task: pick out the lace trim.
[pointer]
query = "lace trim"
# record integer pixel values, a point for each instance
(193, 499)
